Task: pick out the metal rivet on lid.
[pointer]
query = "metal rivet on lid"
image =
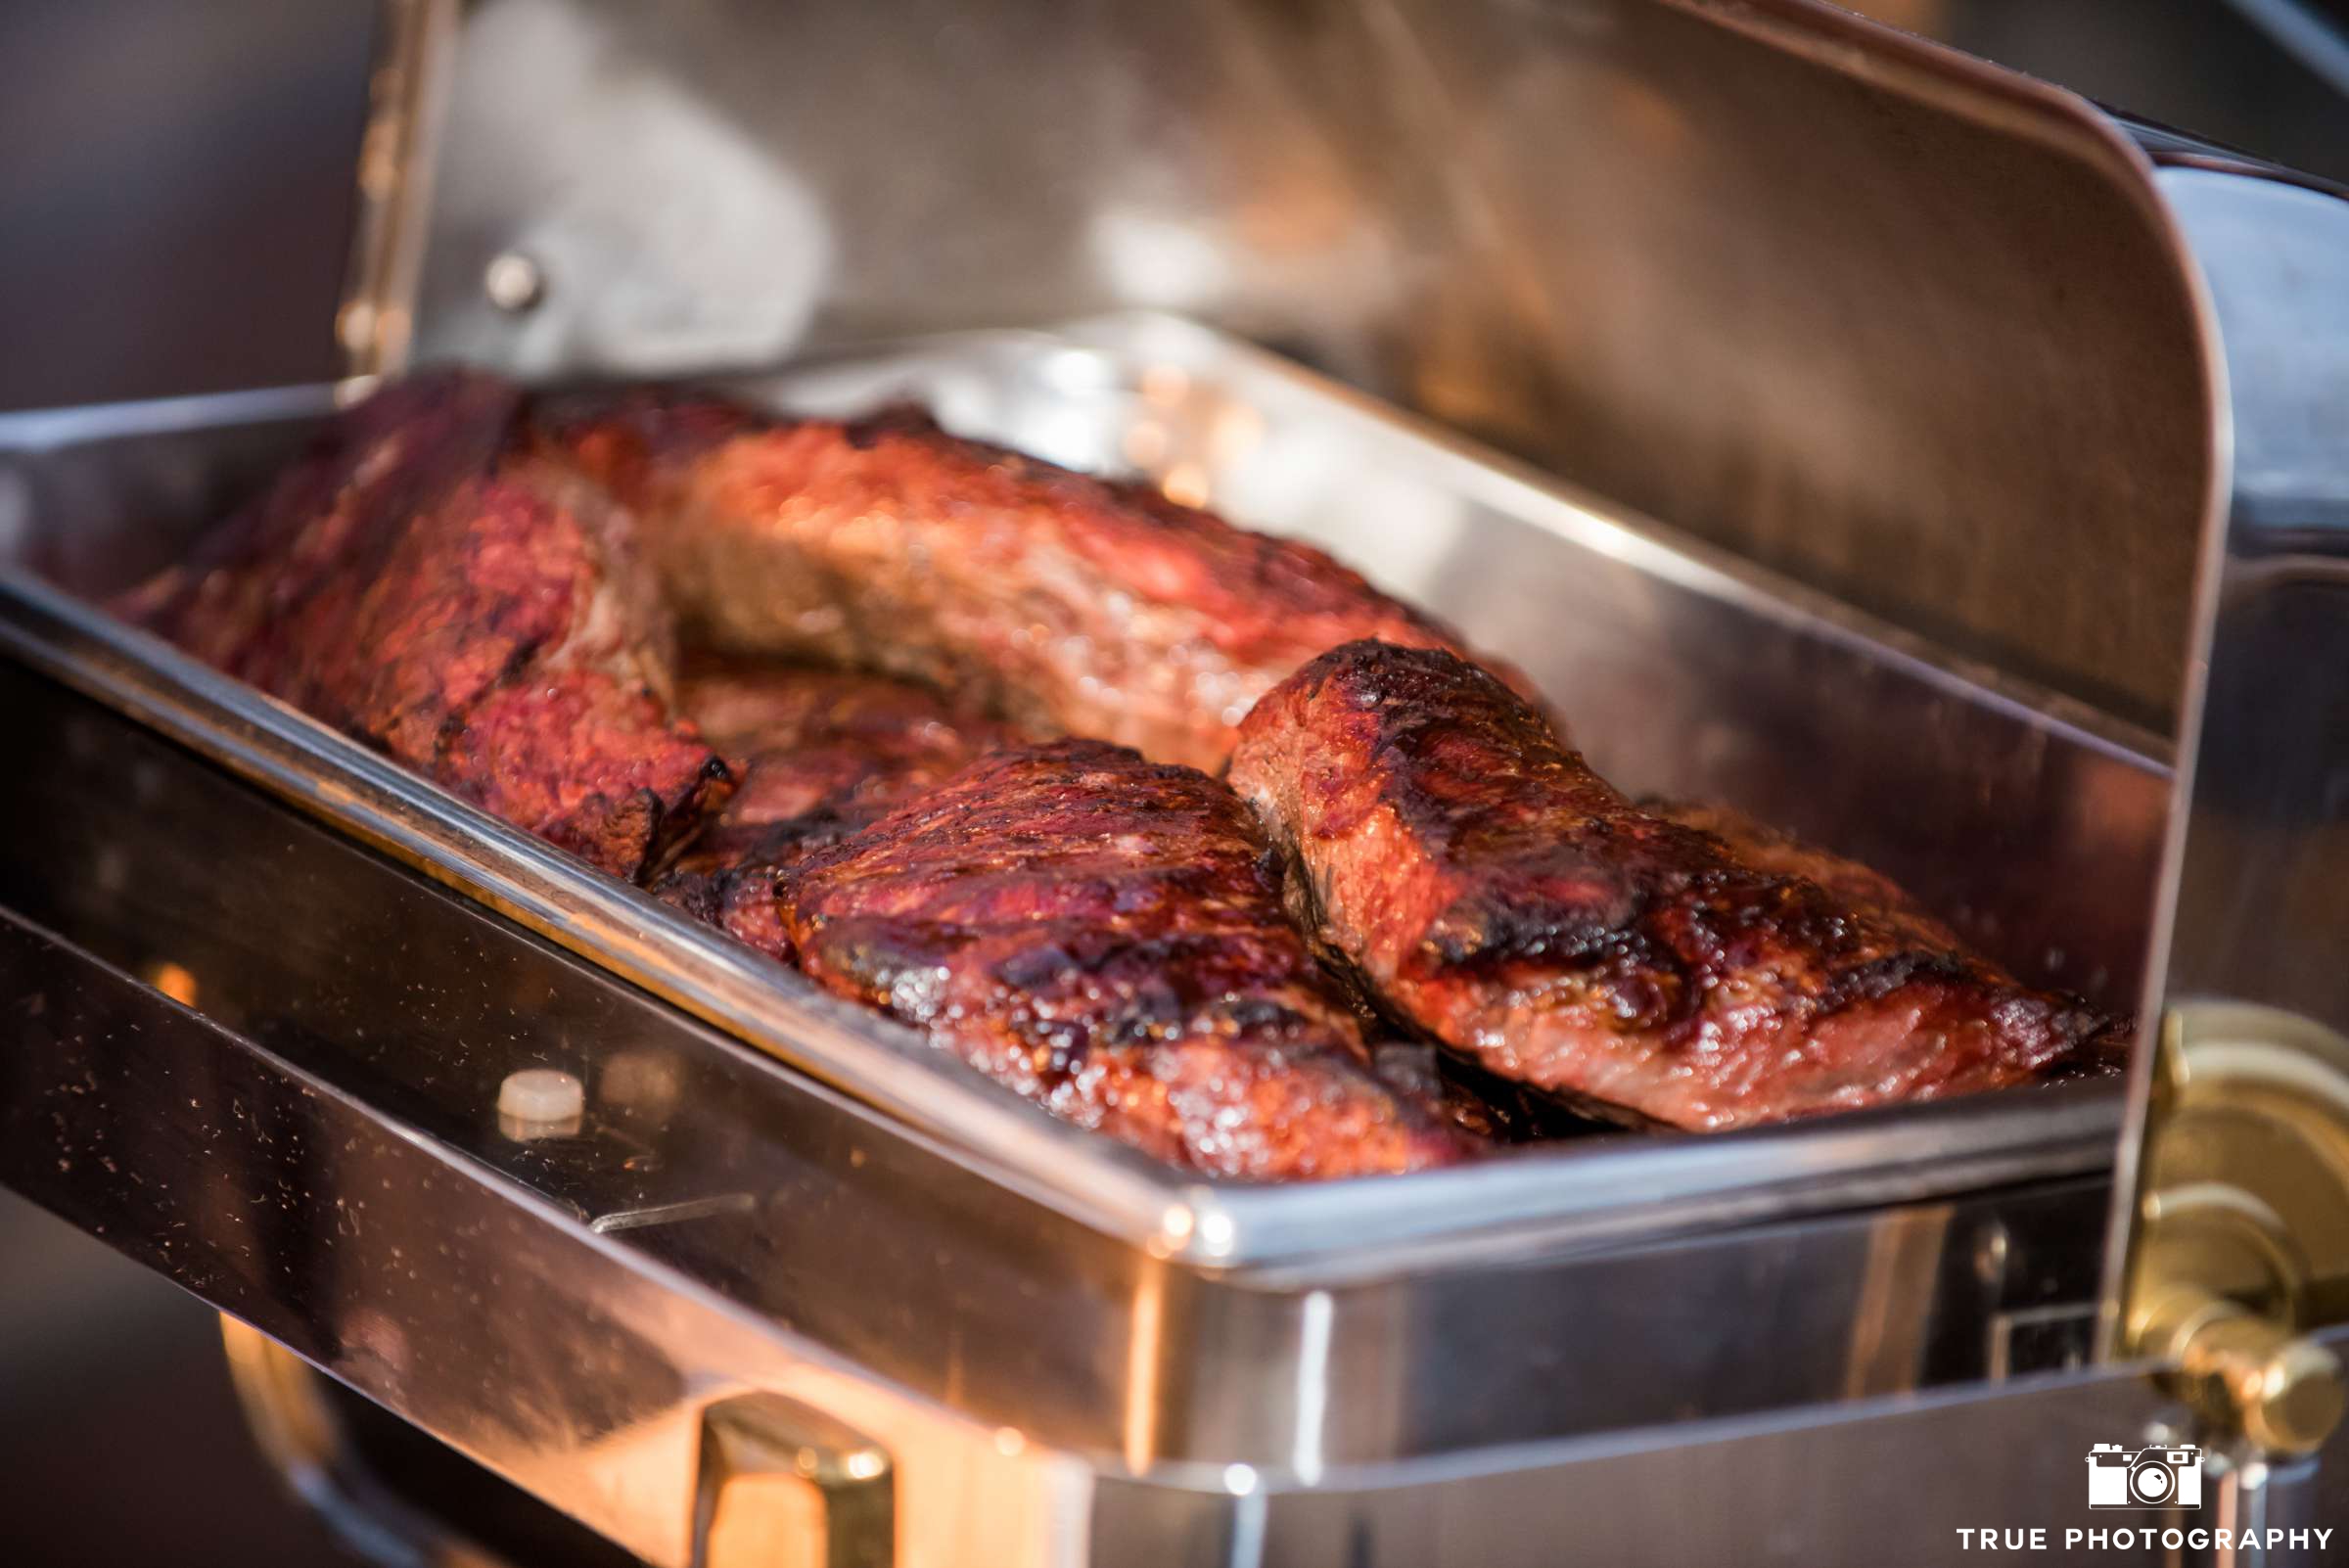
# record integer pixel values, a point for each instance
(514, 282)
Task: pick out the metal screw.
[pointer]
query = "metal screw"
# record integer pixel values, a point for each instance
(514, 283)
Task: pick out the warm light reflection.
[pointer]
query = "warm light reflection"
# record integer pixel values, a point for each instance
(1142, 1367)
(174, 982)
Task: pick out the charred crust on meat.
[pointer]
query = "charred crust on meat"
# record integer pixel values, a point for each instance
(1103, 933)
(1496, 892)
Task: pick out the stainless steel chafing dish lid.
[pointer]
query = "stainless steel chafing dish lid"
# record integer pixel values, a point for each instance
(1918, 332)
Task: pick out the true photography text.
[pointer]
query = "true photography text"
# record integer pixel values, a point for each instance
(2143, 1537)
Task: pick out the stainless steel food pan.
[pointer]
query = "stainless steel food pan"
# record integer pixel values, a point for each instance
(2033, 823)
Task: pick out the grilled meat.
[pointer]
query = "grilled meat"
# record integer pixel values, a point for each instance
(1861, 888)
(1069, 604)
(476, 612)
(1105, 936)
(1498, 894)
(826, 741)
(455, 578)
(819, 753)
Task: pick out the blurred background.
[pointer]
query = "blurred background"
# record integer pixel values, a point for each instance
(176, 177)
(176, 181)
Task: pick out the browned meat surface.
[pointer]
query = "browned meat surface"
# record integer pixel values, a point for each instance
(1105, 936)
(819, 753)
(475, 614)
(1067, 603)
(1498, 894)
(1781, 853)
(825, 740)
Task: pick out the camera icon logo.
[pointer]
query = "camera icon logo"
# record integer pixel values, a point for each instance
(2144, 1478)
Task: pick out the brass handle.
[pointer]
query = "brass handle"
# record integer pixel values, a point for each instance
(783, 1485)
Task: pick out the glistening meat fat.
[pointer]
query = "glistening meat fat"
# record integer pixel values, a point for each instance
(1069, 604)
(1105, 936)
(1496, 892)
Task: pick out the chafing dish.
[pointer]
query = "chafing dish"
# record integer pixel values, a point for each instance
(1858, 474)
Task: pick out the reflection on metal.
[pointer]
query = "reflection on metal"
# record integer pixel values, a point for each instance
(1773, 274)
(2312, 37)
(426, 1272)
(299, 1435)
(173, 981)
(784, 1486)
(1145, 1346)
(405, 93)
(1905, 1255)
(2243, 1245)
(2232, 1241)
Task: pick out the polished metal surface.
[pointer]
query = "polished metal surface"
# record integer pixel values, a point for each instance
(431, 1274)
(345, 1188)
(2229, 1250)
(1884, 1484)
(2239, 1250)
(2261, 897)
(406, 97)
(922, 1234)
(390, 1496)
(1934, 344)
(585, 1365)
(1911, 329)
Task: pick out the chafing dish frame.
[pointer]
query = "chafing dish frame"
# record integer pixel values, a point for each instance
(1242, 1267)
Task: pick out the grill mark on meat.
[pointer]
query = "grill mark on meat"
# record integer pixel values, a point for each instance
(1496, 892)
(1100, 933)
(1769, 849)
(820, 754)
(475, 612)
(1067, 603)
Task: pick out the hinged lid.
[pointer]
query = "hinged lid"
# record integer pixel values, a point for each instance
(1912, 328)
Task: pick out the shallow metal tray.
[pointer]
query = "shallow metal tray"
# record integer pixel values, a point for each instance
(1486, 1302)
